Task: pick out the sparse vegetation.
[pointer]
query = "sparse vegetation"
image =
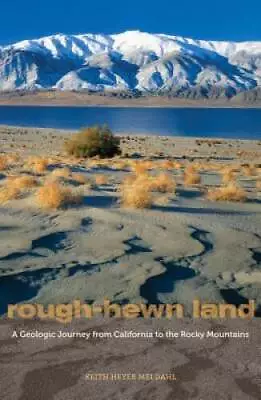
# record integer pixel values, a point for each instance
(101, 179)
(228, 175)
(93, 141)
(62, 172)
(163, 183)
(22, 182)
(3, 163)
(135, 194)
(249, 170)
(38, 164)
(81, 179)
(230, 192)
(54, 195)
(191, 176)
(140, 167)
(8, 193)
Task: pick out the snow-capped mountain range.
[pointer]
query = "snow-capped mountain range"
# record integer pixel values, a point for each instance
(132, 61)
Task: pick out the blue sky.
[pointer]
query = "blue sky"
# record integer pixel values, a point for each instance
(203, 19)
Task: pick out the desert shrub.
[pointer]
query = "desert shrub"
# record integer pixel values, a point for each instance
(163, 183)
(231, 192)
(37, 164)
(8, 193)
(3, 163)
(101, 179)
(62, 172)
(93, 141)
(167, 164)
(81, 179)
(228, 175)
(54, 195)
(191, 177)
(140, 167)
(135, 194)
(249, 170)
(22, 182)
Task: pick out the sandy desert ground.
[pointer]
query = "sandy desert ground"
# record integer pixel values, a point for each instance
(187, 244)
(184, 246)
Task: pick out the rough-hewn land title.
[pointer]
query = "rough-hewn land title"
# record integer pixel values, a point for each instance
(65, 313)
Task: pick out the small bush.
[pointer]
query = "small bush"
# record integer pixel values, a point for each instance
(249, 170)
(62, 172)
(93, 141)
(163, 183)
(167, 164)
(228, 175)
(81, 179)
(23, 182)
(54, 195)
(191, 177)
(8, 193)
(135, 194)
(3, 163)
(38, 164)
(101, 179)
(230, 192)
(141, 167)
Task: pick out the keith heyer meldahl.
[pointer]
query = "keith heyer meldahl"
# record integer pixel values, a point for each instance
(213, 334)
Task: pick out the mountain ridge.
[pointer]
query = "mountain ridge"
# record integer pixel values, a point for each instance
(132, 62)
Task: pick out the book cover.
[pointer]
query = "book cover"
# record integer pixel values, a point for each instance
(130, 200)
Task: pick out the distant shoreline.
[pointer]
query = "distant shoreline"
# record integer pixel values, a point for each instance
(73, 99)
(158, 140)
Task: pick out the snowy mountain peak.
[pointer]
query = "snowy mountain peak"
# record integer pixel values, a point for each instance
(131, 61)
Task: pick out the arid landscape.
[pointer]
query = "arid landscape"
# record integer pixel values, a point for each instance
(168, 220)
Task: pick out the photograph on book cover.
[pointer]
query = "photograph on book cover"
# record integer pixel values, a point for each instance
(130, 200)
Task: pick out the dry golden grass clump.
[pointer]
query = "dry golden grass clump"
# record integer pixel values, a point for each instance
(191, 176)
(249, 170)
(101, 179)
(12, 158)
(38, 164)
(22, 182)
(54, 195)
(120, 164)
(167, 164)
(3, 163)
(191, 168)
(8, 193)
(135, 194)
(62, 172)
(228, 174)
(230, 192)
(140, 167)
(81, 179)
(162, 183)
(177, 165)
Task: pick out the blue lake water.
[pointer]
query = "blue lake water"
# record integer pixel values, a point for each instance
(200, 122)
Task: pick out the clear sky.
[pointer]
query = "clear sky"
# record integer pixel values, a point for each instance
(203, 19)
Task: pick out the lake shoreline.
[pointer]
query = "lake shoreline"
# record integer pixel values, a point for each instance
(50, 140)
(69, 99)
(191, 122)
